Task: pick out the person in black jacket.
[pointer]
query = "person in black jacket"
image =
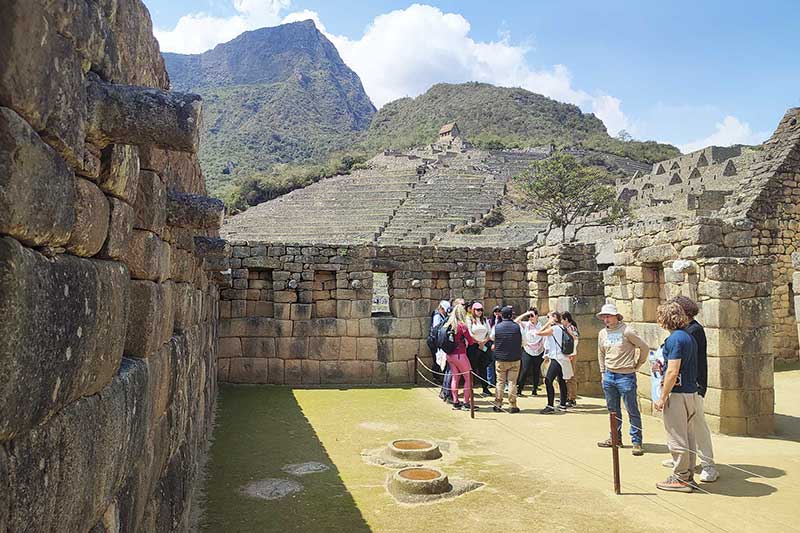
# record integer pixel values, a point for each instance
(507, 337)
(701, 430)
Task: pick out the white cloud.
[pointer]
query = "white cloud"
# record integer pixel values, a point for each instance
(404, 52)
(306, 14)
(730, 131)
(198, 32)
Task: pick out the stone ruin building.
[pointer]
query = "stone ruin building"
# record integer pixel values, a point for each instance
(123, 308)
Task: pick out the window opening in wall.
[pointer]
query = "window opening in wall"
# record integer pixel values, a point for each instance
(493, 294)
(324, 294)
(259, 293)
(440, 288)
(542, 292)
(654, 291)
(380, 294)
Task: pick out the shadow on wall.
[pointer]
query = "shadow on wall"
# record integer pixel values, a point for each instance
(276, 434)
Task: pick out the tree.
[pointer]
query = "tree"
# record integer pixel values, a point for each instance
(568, 194)
(624, 136)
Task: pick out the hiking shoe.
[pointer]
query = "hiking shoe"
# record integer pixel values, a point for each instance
(486, 391)
(572, 403)
(637, 449)
(548, 410)
(458, 406)
(605, 443)
(674, 484)
(564, 408)
(668, 463)
(514, 410)
(709, 474)
(497, 409)
(535, 393)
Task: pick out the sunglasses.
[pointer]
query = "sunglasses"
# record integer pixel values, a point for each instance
(476, 310)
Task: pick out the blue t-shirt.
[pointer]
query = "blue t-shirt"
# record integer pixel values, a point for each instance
(681, 345)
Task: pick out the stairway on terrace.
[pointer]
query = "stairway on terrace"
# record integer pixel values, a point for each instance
(343, 209)
(510, 234)
(442, 201)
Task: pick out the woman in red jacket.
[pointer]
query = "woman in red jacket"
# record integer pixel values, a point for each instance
(457, 358)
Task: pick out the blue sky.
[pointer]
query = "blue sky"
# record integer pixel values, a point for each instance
(688, 73)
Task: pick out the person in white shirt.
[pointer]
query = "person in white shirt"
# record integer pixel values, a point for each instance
(533, 347)
(479, 353)
(560, 366)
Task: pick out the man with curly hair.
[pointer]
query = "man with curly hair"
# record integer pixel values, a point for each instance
(677, 398)
(702, 432)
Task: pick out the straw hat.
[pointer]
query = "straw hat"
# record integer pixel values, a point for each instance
(609, 309)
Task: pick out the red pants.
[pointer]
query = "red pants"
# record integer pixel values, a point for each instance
(460, 368)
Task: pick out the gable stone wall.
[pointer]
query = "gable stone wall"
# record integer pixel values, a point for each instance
(108, 338)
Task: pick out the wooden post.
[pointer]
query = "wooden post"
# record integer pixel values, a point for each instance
(615, 449)
(472, 403)
(416, 370)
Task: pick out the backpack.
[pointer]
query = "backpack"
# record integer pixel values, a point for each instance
(433, 335)
(567, 343)
(446, 339)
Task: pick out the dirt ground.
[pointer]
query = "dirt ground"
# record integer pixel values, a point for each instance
(540, 471)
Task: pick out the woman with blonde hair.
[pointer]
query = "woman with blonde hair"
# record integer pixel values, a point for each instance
(677, 397)
(458, 332)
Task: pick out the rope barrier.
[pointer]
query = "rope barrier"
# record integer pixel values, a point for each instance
(599, 474)
(662, 503)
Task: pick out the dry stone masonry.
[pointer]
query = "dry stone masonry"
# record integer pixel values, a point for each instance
(109, 333)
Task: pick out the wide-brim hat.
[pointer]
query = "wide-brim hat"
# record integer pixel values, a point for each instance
(609, 309)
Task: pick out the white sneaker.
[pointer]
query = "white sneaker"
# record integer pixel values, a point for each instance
(709, 474)
(669, 463)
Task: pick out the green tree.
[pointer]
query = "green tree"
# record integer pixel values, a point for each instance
(569, 195)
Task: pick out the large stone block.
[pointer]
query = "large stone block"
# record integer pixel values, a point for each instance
(91, 219)
(291, 347)
(60, 336)
(397, 372)
(738, 342)
(89, 444)
(129, 114)
(345, 372)
(324, 348)
(405, 349)
(120, 227)
(119, 174)
(37, 189)
(257, 347)
(247, 370)
(385, 327)
(293, 372)
(231, 347)
(322, 327)
(41, 77)
(187, 210)
(151, 203)
(310, 371)
(148, 312)
(275, 371)
(147, 256)
(255, 327)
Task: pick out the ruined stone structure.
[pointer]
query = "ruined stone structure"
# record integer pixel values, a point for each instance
(109, 332)
(302, 314)
(717, 225)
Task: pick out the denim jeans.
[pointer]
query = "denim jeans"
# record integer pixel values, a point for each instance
(623, 386)
(491, 375)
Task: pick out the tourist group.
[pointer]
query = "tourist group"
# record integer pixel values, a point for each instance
(503, 351)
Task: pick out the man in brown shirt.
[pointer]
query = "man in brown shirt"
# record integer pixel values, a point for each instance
(616, 354)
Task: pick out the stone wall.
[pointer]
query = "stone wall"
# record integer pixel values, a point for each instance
(733, 290)
(108, 338)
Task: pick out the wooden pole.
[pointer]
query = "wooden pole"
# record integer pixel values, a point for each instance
(615, 449)
(416, 370)
(471, 401)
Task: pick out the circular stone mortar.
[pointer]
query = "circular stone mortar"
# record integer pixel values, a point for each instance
(420, 480)
(414, 449)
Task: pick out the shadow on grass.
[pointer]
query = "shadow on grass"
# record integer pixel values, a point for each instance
(259, 431)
